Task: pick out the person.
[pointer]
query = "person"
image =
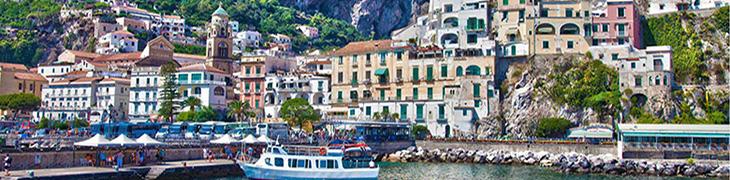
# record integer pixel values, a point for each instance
(89, 160)
(205, 153)
(120, 159)
(37, 161)
(162, 155)
(141, 157)
(102, 159)
(210, 156)
(8, 162)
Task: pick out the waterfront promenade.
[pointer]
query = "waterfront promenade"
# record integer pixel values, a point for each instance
(167, 170)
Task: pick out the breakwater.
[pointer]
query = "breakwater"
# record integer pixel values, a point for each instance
(567, 162)
(520, 146)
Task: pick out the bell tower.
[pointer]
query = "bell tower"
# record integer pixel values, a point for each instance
(219, 47)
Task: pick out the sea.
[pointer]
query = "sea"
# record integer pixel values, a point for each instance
(457, 171)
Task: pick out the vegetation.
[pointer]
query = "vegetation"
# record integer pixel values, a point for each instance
(587, 84)
(721, 20)
(202, 114)
(239, 110)
(169, 91)
(420, 132)
(552, 127)
(23, 47)
(189, 49)
(298, 112)
(23, 14)
(686, 45)
(19, 102)
(191, 102)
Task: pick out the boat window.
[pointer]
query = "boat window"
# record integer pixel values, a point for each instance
(329, 164)
(278, 162)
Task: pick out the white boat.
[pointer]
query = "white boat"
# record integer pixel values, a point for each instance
(278, 163)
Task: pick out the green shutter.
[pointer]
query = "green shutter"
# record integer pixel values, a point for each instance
(490, 93)
(477, 88)
(415, 73)
(419, 112)
(429, 73)
(368, 110)
(382, 94)
(403, 111)
(505, 2)
(415, 93)
(522, 1)
(430, 93)
(398, 94)
(444, 71)
(442, 112)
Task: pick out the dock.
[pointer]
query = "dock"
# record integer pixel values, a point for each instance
(169, 170)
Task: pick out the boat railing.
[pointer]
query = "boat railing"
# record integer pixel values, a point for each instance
(303, 150)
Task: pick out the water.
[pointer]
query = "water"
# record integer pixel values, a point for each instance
(455, 171)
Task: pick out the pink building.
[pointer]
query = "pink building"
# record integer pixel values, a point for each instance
(617, 23)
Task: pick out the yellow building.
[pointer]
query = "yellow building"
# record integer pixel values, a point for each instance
(560, 26)
(16, 78)
(421, 85)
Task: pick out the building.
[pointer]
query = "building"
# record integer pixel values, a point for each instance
(319, 67)
(54, 71)
(456, 26)
(206, 83)
(560, 26)
(103, 27)
(219, 51)
(511, 28)
(146, 80)
(673, 141)
(89, 98)
(172, 27)
(668, 6)
(234, 26)
(16, 78)
(130, 24)
(246, 39)
(117, 42)
(309, 31)
(283, 42)
(616, 22)
(252, 77)
(422, 85)
(646, 72)
(284, 86)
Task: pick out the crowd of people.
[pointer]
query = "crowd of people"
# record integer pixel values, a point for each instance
(139, 157)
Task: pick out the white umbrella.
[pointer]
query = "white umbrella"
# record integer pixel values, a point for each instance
(264, 139)
(226, 139)
(249, 139)
(96, 141)
(123, 140)
(146, 140)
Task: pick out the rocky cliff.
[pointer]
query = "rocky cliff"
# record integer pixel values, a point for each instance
(378, 17)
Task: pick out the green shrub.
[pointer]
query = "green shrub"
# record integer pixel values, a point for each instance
(552, 127)
(420, 131)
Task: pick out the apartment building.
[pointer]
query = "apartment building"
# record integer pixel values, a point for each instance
(559, 26)
(669, 6)
(117, 42)
(16, 78)
(246, 39)
(647, 72)
(284, 86)
(90, 98)
(511, 28)
(145, 79)
(253, 77)
(616, 22)
(422, 85)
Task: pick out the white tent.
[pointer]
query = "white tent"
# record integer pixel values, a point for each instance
(97, 141)
(123, 140)
(264, 139)
(249, 139)
(146, 140)
(226, 139)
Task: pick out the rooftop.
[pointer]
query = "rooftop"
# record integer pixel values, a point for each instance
(13, 66)
(675, 130)
(367, 46)
(30, 76)
(200, 67)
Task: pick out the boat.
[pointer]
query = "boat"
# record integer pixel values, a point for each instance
(312, 162)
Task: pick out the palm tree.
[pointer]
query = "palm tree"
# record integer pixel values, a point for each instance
(395, 116)
(377, 116)
(238, 110)
(191, 102)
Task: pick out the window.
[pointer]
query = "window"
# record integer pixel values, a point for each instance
(196, 77)
(352, 112)
(448, 8)
(415, 73)
(522, 1)
(398, 55)
(545, 44)
(419, 112)
(490, 93)
(621, 12)
(569, 12)
(505, 2)
(633, 65)
(543, 12)
(398, 93)
(196, 90)
(442, 111)
(382, 94)
(444, 70)
(403, 111)
(339, 77)
(637, 81)
(570, 44)
(477, 88)
(218, 91)
(604, 27)
(248, 70)
(459, 71)
(257, 87)
(339, 96)
(368, 110)
(471, 38)
(429, 93)
(340, 60)
(354, 77)
(415, 93)
(354, 60)
(382, 58)
(248, 86)
(327, 164)
(278, 162)
(429, 73)
(614, 56)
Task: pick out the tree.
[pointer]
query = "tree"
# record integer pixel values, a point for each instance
(43, 123)
(377, 116)
(168, 94)
(206, 113)
(191, 102)
(552, 127)
(238, 110)
(395, 116)
(297, 112)
(19, 102)
(186, 116)
(420, 131)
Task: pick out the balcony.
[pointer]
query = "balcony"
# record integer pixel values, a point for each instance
(420, 120)
(202, 82)
(442, 120)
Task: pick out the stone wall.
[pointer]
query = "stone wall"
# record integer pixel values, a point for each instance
(587, 149)
(26, 160)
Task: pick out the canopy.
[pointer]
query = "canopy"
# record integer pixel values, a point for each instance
(96, 141)
(264, 139)
(381, 72)
(226, 139)
(146, 140)
(249, 139)
(123, 140)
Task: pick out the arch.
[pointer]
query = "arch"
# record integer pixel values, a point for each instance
(459, 71)
(269, 98)
(657, 80)
(222, 49)
(570, 28)
(473, 70)
(219, 91)
(451, 22)
(318, 98)
(638, 99)
(545, 29)
(447, 131)
(449, 38)
(197, 90)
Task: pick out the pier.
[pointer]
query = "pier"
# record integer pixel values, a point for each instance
(168, 170)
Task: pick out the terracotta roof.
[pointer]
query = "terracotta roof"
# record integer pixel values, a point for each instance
(84, 54)
(30, 76)
(155, 62)
(320, 62)
(200, 67)
(80, 80)
(13, 66)
(57, 63)
(365, 46)
(188, 56)
(120, 56)
(172, 17)
(34, 70)
(125, 32)
(113, 79)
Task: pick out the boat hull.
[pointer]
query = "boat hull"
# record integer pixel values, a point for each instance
(253, 171)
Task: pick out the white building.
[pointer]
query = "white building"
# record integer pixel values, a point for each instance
(285, 86)
(204, 82)
(117, 42)
(146, 80)
(242, 40)
(99, 97)
(667, 6)
(309, 31)
(280, 42)
(55, 71)
(234, 26)
(647, 72)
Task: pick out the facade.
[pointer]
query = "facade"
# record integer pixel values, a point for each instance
(319, 67)
(130, 24)
(511, 28)
(310, 32)
(456, 26)
(672, 141)
(647, 72)
(446, 93)
(146, 80)
(172, 27)
(101, 27)
(219, 52)
(117, 42)
(204, 82)
(280, 41)
(668, 6)
(90, 98)
(284, 86)
(246, 39)
(616, 22)
(16, 78)
(254, 69)
(55, 71)
(560, 26)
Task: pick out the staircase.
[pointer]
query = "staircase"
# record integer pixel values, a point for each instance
(155, 172)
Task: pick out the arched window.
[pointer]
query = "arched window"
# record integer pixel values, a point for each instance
(222, 49)
(657, 80)
(570, 28)
(218, 91)
(545, 29)
(473, 70)
(459, 71)
(196, 90)
(665, 80)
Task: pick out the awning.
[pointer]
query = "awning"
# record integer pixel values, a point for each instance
(381, 72)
